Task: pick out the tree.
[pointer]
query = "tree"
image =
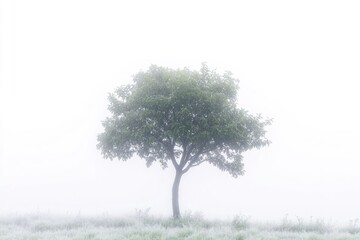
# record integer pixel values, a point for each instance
(183, 117)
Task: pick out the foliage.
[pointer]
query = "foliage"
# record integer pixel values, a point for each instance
(183, 116)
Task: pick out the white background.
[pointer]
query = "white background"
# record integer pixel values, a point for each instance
(297, 61)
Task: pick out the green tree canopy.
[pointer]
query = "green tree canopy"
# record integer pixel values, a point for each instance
(183, 117)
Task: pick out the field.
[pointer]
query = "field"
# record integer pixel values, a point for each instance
(143, 226)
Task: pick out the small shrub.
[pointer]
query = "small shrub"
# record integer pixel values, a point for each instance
(240, 222)
(318, 226)
(353, 227)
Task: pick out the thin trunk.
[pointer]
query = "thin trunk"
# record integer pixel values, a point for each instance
(175, 195)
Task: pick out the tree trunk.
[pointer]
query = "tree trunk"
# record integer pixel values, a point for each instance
(175, 195)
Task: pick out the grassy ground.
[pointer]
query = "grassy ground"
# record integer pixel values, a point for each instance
(143, 226)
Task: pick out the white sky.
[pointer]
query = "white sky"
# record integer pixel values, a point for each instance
(298, 63)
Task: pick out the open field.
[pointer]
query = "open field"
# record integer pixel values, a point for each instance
(143, 226)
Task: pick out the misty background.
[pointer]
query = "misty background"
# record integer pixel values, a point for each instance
(297, 61)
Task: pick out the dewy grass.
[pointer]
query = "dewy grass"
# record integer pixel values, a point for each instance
(191, 227)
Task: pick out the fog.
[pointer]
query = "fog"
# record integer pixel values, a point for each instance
(297, 62)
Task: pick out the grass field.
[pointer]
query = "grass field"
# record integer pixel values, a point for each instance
(143, 226)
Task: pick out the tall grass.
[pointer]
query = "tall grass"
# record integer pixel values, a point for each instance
(142, 225)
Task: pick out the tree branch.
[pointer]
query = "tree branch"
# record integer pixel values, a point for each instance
(170, 149)
(186, 155)
(173, 160)
(193, 159)
(193, 164)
